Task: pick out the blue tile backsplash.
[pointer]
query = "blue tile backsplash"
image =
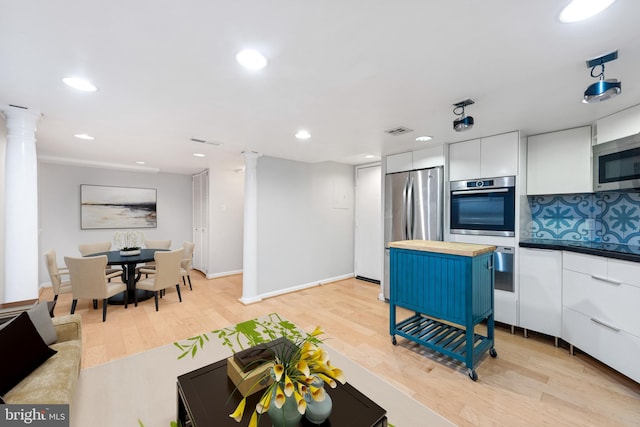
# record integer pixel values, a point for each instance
(599, 217)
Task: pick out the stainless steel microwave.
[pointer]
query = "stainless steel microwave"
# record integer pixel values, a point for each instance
(616, 164)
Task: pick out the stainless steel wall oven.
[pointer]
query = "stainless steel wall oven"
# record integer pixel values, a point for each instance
(483, 207)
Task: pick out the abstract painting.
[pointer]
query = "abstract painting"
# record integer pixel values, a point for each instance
(117, 207)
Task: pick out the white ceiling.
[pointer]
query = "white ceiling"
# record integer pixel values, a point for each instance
(346, 70)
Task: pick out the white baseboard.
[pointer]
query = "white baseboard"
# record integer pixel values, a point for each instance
(223, 274)
(306, 285)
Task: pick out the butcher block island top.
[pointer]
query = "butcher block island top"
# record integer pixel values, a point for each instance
(451, 248)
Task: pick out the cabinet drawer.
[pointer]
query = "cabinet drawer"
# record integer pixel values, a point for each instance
(615, 305)
(587, 264)
(627, 272)
(614, 348)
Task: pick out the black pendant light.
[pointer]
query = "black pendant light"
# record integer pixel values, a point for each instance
(603, 89)
(463, 122)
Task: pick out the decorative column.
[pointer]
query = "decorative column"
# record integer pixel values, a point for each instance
(250, 242)
(21, 206)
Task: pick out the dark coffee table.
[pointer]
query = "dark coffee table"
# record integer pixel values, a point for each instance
(203, 400)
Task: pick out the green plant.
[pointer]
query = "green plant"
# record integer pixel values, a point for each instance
(299, 371)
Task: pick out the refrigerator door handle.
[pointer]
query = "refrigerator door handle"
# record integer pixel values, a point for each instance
(405, 218)
(409, 208)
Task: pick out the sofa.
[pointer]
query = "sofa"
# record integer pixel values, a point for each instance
(54, 381)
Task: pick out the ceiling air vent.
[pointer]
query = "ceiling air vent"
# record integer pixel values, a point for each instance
(400, 130)
(202, 141)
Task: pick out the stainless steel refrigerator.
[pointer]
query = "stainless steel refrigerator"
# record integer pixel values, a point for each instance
(413, 209)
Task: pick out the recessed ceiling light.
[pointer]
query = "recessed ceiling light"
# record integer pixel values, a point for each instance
(198, 155)
(84, 136)
(579, 10)
(303, 134)
(423, 138)
(251, 59)
(80, 84)
(139, 162)
(369, 156)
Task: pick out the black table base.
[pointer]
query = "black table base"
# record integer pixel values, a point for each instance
(119, 298)
(129, 275)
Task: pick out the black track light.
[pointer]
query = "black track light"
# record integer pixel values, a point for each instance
(603, 89)
(463, 122)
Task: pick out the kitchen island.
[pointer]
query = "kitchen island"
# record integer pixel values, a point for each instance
(449, 286)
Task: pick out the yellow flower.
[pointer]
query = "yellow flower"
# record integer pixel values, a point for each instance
(303, 367)
(327, 380)
(302, 388)
(317, 331)
(302, 404)
(338, 375)
(317, 393)
(278, 370)
(263, 405)
(280, 398)
(307, 348)
(288, 386)
(237, 414)
(253, 422)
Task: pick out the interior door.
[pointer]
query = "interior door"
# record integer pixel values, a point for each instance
(200, 198)
(368, 239)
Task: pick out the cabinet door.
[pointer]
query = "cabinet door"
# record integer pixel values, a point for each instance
(464, 160)
(560, 162)
(499, 155)
(400, 162)
(428, 157)
(541, 290)
(619, 125)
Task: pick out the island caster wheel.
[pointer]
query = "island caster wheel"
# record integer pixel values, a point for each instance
(472, 374)
(393, 340)
(493, 353)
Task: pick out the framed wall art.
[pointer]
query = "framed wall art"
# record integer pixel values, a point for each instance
(117, 207)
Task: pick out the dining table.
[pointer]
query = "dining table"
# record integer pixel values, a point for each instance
(129, 274)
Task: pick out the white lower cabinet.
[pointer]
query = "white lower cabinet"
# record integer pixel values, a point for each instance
(505, 307)
(615, 348)
(541, 291)
(600, 297)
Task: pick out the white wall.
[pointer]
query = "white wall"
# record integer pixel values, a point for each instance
(226, 212)
(59, 207)
(3, 150)
(305, 224)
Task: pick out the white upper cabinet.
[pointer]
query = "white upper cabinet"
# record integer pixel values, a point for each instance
(488, 157)
(560, 162)
(499, 155)
(618, 125)
(419, 159)
(464, 160)
(428, 157)
(400, 162)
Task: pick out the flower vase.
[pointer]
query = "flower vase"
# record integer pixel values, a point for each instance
(286, 416)
(318, 411)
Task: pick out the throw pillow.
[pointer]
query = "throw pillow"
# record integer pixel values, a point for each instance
(23, 350)
(41, 319)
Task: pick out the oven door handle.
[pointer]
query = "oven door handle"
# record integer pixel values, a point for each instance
(488, 190)
(409, 208)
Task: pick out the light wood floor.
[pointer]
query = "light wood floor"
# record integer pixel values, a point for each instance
(531, 383)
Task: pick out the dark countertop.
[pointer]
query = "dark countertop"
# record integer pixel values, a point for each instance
(603, 249)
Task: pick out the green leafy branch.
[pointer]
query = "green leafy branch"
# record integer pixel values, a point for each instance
(192, 345)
